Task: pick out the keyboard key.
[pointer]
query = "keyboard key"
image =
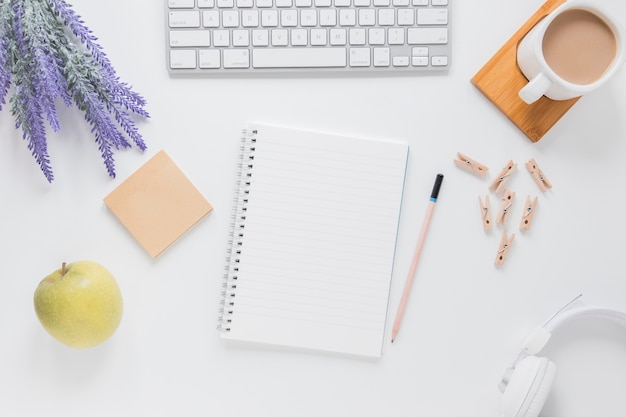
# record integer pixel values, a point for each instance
(209, 58)
(432, 16)
(318, 37)
(400, 61)
(186, 19)
(308, 18)
(419, 51)
(419, 61)
(211, 19)
(230, 18)
(182, 38)
(180, 4)
(426, 36)
(221, 37)
(439, 61)
(396, 36)
(299, 58)
(269, 18)
(182, 59)
(250, 18)
(206, 4)
(299, 37)
(328, 17)
(236, 58)
(241, 37)
(347, 17)
(359, 57)
(381, 57)
(338, 36)
(376, 36)
(357, 36)
(289, 18)
(260, 37)
(367, 17)
(386, 17)
(406, 17)
(280, 37)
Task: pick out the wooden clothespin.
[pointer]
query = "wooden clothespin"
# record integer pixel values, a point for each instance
(538, 175)
(498, 184)
(470, 165)
(529, 212)
(505, 206)
(485, 210)
(503, 249)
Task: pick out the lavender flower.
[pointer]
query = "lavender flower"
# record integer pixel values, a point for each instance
(41, 61)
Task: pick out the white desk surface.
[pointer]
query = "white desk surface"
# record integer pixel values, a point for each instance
(466, 318)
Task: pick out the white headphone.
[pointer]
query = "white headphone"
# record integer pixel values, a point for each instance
(525, 386)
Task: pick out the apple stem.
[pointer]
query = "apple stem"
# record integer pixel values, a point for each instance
(63, 269)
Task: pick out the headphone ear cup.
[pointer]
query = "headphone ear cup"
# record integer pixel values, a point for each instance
(528, 387)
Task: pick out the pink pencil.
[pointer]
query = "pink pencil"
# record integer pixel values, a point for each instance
(416, 257)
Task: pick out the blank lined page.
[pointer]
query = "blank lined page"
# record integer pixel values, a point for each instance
(315, 240)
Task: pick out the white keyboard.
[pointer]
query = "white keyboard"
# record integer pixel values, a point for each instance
(235, 36)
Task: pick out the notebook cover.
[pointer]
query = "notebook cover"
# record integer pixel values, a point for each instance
(157, 204)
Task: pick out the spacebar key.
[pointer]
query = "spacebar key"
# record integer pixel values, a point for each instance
(299, 57)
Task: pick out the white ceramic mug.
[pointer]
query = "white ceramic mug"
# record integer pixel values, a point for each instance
(573, 50)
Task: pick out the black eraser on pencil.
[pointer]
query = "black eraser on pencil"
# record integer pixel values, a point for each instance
(436, 187)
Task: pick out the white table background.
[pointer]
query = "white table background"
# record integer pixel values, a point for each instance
(466, 318)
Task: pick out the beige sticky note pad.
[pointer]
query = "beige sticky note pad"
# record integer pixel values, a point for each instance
(157, 204)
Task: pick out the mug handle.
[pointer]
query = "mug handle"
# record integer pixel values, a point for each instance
(535, 88)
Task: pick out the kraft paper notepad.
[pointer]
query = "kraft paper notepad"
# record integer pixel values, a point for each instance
(314, 236)
(157, 204)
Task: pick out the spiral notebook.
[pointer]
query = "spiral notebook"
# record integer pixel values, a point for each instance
(313, 240)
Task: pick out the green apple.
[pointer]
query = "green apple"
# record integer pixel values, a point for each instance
(79, 304)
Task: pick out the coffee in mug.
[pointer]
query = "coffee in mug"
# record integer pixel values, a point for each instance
(572, 51)
(579, 46)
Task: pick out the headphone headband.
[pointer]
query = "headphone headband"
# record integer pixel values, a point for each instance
(539, 338)
(615, 316)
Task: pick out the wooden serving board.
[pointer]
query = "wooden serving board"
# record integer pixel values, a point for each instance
(501, 79)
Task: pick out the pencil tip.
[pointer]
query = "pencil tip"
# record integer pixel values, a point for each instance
(392, 340)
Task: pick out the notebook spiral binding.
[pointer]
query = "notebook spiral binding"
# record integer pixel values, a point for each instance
(240, 203)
